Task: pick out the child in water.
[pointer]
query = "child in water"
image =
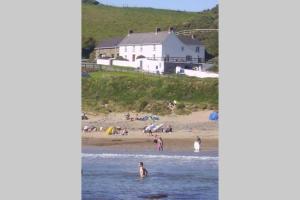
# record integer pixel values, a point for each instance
(143, 171)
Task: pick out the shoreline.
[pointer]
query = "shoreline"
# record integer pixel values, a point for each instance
(186, 129)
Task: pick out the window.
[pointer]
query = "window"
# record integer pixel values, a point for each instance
(199, 60)
(141, 48)
(153, 56)
(197, 49)
(112, 55)
(188, 58)
(182, 48)
(154, 47)
(133, 48)
(156, 67)
(125, 56)
(125, 49)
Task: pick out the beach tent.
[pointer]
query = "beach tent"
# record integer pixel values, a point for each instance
(156, 128)
(110, 130)
(150, 127)
(214, 116)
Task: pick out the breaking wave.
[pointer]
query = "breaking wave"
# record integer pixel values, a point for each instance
(110, 155)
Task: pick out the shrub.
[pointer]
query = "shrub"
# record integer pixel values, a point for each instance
(142, 105)
(180, 106)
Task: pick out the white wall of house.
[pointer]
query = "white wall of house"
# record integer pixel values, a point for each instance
(123, 63)
(153, 66)
(147, 50)
(172, 46)
(103, 61)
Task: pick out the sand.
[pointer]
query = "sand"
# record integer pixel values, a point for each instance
(185, 130)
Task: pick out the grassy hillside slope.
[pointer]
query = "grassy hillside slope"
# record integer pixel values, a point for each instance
(123, 91)
(102, 22)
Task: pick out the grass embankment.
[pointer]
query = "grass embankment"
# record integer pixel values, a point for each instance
(108, 91)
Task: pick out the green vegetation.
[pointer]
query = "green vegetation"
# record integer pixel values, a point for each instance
(103, 22)
(208, 19)
(100, 22)
(107, 91)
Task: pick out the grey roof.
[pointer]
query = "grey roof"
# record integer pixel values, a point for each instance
(189, 40)
(145, 38)
(110, 43)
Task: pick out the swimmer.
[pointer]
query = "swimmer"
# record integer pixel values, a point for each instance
(143, 171)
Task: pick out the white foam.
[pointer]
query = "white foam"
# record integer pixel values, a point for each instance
(111, 155)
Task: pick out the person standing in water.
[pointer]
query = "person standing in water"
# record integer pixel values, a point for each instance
(143, 170)
(160, 144)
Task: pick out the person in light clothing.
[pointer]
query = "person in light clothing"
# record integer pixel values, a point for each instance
(197, 144)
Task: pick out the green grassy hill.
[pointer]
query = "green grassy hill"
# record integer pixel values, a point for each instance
(126, 91)
(101, 22)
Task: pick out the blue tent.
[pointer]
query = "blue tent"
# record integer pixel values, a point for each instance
(214, 116)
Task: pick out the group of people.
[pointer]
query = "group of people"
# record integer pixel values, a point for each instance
(89, 128)
(129, 117)
(158, 140)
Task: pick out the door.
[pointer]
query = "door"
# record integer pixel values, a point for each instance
(141, 64)
(133, 57)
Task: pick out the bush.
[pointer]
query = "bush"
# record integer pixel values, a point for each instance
(142, 105)
(180, 106)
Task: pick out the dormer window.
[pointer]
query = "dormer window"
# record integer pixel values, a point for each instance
(182, 48)
(197, 49)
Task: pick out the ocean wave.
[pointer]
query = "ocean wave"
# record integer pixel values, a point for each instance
(111, 155)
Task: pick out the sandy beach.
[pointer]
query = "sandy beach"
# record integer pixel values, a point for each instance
(185, 130)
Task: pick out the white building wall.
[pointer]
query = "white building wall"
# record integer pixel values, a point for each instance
(172, 47)
(103, 61)
(153, 66)
(123, 63)
(145, 50)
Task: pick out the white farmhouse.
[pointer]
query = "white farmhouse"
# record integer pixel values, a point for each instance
(159, 51)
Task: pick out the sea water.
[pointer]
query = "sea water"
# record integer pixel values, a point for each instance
(111, 175)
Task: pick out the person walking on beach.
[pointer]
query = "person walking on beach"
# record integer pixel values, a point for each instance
(160, 144)
(143, 170)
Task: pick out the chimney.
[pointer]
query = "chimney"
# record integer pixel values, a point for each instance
(157, 30)
(171, 30)
(130, 32)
